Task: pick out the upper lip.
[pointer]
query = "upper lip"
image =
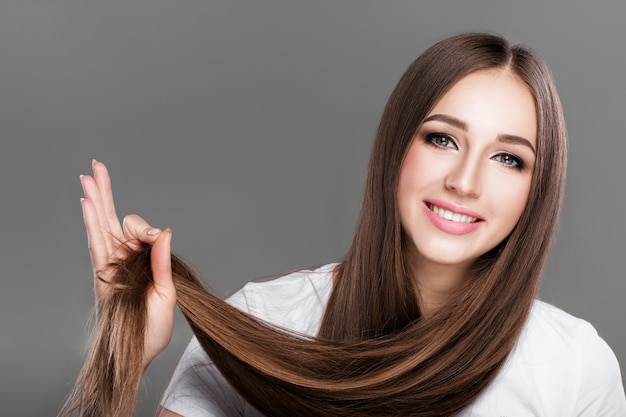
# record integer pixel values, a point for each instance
(454, 208)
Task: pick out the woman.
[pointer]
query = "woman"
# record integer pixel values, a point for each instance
(431, 313)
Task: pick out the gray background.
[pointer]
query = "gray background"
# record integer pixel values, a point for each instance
(246, 127)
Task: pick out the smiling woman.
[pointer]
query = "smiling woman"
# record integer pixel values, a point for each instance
(433, 310)
(476, 146)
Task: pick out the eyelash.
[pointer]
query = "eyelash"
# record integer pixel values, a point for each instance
(515, 162)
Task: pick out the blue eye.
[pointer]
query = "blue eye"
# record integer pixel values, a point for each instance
(441, 140)
(509, 160)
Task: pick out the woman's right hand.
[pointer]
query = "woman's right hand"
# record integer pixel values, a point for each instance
(109, 241)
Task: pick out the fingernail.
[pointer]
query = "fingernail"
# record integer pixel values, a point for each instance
(93, 162)
(153, 232)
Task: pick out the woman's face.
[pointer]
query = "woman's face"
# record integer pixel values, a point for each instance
(466, 177)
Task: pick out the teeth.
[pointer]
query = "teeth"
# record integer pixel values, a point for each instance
(448, 215)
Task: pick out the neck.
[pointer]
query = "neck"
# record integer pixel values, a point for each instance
(435, 283)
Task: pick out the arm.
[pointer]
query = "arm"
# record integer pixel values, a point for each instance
(126, 339)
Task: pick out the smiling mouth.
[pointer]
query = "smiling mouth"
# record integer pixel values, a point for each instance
(451, 216)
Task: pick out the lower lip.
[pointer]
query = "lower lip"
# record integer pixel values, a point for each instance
(448, 226)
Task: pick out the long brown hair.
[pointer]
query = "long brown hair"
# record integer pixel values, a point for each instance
(374, 354)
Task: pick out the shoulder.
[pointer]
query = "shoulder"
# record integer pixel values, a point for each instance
(559, 366)
(552, 331)
(560, 327)
(295, 301)
(569, 361)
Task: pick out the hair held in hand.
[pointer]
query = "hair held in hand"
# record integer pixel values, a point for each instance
(375, 354)
(416, 371)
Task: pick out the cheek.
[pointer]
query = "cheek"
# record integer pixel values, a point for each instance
(511, 199)
(417, 168)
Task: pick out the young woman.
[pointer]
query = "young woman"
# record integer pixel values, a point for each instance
(433, 310)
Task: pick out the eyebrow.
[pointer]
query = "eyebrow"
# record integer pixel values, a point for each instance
(460, 124)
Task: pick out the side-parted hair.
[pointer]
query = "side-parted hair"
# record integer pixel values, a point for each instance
(375, 354)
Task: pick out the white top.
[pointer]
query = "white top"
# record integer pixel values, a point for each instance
(559, 366)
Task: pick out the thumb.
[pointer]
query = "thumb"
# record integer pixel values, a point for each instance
(161, 263)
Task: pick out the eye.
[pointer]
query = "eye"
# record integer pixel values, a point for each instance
(441, 140)
(509, 160)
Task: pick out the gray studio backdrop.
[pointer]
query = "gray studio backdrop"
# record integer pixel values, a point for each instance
(246, 127)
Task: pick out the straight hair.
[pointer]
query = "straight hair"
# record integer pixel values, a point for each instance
(375, 354)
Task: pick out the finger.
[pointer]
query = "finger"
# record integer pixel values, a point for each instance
(90, 189)
(95, 238)
(161, 263)
(103, 181)
(137, 231)
(96, 242)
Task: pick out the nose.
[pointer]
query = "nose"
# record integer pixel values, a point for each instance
(465, 177)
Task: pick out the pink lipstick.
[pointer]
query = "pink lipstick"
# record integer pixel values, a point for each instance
(451, 219)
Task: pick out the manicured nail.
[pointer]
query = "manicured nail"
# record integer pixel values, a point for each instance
(153, 232)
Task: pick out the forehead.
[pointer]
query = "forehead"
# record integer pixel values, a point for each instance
(492, 101)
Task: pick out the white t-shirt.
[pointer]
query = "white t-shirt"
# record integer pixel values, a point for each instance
(559, 366)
